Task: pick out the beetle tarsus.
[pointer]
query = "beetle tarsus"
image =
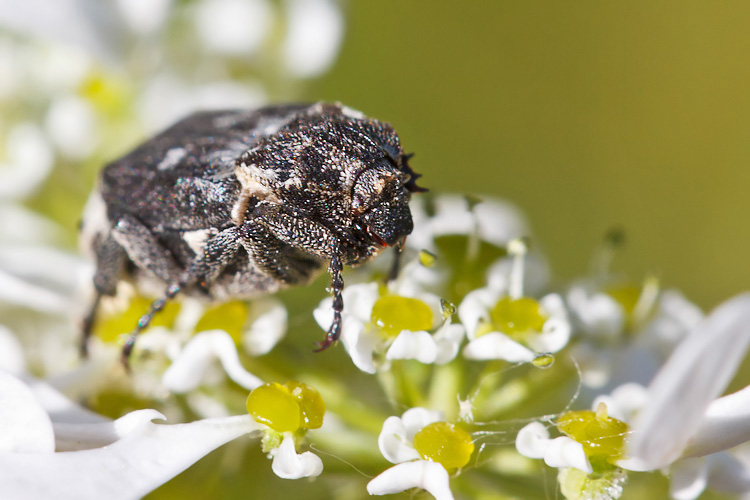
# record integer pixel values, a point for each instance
(145, 320)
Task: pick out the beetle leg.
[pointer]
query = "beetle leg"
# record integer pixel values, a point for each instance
(337, 288)
(144, 249)
(275, 258)
(218, 252)
(110, 261)
(314, 238)
(297, 230)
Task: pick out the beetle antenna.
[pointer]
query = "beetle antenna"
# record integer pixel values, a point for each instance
(398, 249)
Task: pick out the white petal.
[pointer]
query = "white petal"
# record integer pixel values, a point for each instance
(448, 340)
(40, 278)
(24, 425)
(688, 479)
(430, 476)
(533, 440)
(499, 221)
(192, 364)
(268, 326)
(359, 343)
(16, 291)
(416, 419)
(314, 32)
(58, 406)
(144, 16)
(393, 443)
(413, 345)
(93, 26)
(495, 345)
(474, 309)
(359, 300)
(45, 266)
(725, 425)
(729, 474)
(553, 305)
(20, 225)
(673, 320)
(564, 452)
(535, 275)
(625, 402)
(598, 314)
(287, 464)
(86, 436)
(555, 336)
(71, 123)
(30, 156)
(144, 459)
(695, 374)
(233, 26)
(452, 216)
(12, 359)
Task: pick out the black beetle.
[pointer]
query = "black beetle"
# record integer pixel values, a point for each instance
(241, 203)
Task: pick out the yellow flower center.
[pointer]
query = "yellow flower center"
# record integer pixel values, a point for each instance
(445, 444)
(517, 317)
(392, 313)
(601, 435)
(229, 316)
(288, 407)
(110, 328)
(625, 295)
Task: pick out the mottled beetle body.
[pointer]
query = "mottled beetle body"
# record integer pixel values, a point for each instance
(236, 204)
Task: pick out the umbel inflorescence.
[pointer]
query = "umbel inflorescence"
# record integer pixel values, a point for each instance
(452, 377)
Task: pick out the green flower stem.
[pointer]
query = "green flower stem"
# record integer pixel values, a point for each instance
(445, 384)
(486, 385)
(349, 409)
(400, 385)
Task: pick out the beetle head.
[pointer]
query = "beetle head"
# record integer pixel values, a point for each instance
(380, 203)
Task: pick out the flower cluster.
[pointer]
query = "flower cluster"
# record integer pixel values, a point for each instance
(489, 366)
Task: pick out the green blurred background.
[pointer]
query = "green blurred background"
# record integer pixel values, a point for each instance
(585, 114)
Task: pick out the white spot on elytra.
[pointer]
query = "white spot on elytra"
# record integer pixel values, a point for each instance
(95, 221)
(291, 182)
(196, 240)
(352, 113)
(171, 159)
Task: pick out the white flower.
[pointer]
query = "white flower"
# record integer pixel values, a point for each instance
(236, 27)
(71, 124)
(287, 464)
(474, 312)
(533, 441)
(678, 418)
(29, 158)
(87, 24)
(363, 339)
(396, 444)
(492, 220)
(682, 418)
(145, 17)
(314, 32)
(194, 361)
(70, 453)
(607, 355)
